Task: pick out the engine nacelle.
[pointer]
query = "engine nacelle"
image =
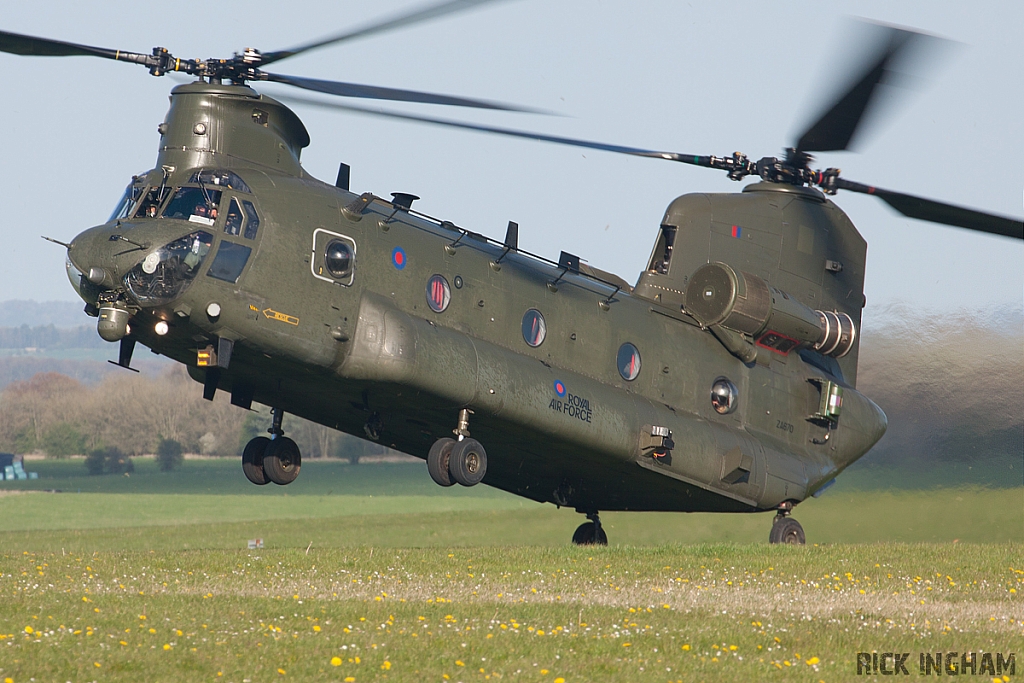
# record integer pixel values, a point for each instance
(719, 295)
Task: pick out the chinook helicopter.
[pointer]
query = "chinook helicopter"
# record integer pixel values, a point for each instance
(724, 379)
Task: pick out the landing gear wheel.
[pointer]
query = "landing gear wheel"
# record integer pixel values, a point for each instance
(468, 462)
(282, 460)
(786, 530)
(437, 461)
(252, 460)
(589, 533)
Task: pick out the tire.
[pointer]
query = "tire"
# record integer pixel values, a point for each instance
(252, 460)
(786, 530)
(282, 461)
(468, 462)
(437, 461)
(587, 534)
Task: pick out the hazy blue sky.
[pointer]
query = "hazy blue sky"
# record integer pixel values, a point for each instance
(703, 78)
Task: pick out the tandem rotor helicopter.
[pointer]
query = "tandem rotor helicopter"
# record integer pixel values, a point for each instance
(722, 380)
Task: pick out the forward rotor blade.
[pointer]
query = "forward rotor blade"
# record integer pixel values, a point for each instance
(836, 127)
(374, 92)
(31, 46)
(573, 142)
(939, 212)
(396, 21)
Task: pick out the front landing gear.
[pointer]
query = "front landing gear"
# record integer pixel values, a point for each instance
(785, 529)
(590, 533)
(276, 459)
(463, 461)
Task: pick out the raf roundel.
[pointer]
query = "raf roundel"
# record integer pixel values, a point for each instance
(559, 388)
(398, 258)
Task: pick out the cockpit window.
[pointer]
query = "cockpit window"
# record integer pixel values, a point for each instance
(165, 273)
(229, 262)
(252, 220)
(233, 222)
(128, 199)
(220, 178)
(195, 204)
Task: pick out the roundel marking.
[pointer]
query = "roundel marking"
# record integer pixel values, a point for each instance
(559, 388)
(398, 258)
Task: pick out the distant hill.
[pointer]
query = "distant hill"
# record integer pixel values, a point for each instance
(18, 312)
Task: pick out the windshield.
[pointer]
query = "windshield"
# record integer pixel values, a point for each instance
(165, 272)
(195, 204)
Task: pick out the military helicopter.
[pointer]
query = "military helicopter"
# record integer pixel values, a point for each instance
(723, 380)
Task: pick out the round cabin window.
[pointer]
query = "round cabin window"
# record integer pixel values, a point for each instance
(338, 259)
(628, 360)
(534, 328)
(439, 294)
(723, 396)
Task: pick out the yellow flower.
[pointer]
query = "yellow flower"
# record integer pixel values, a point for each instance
(686, 647)
(281, 671)
(559, 680)
(459, 662)
(543, 672)
(167, 646)
(29, 630)
(626, 644)
(96, 664)
(386, 665)
(812, 661)
(316, 629)
(350, 679)
(335, 661)
(8, 680)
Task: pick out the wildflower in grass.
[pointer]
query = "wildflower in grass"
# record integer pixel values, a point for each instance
(559, 680)
(812, 661)
(96, 664)
(167, 646)
(335, 661)
(29, 630)
(350, 679)
(316, 629)
(459, 662)
(386, 665)
(281, 671)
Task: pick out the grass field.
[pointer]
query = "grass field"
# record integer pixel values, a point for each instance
(372, 573)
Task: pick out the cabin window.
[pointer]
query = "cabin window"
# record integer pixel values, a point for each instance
(194, 204)
(165, 272)
(724, 396)
(229, 262)
(338, 259)
(233, 222)
(439, 294)
(535, 329)
(628, 361)
(217, 179)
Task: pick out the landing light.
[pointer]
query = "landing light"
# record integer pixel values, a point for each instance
(161, 328)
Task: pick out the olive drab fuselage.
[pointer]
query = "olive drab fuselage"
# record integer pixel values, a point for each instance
(374, 320)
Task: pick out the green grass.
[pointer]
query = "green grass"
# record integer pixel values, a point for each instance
(401, 580)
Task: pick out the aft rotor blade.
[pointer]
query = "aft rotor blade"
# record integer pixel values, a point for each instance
(939, 212)
(397, 21)
(31, 46)
(375, 92)
(588, 144)
(836, 127)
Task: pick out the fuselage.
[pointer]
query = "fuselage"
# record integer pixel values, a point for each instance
(382, 323)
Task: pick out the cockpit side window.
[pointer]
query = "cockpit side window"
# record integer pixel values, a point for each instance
(233, 222)
(252, 220)
(194, 204)
(220, 179)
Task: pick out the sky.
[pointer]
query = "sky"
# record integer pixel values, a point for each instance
(698, 78)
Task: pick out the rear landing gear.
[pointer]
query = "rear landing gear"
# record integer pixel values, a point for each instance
(590, 533)
(785, 529)
(276, 459)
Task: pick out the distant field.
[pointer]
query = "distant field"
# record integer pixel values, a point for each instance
(373, 573)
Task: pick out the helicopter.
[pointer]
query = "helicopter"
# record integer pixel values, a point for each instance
(722, 380)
